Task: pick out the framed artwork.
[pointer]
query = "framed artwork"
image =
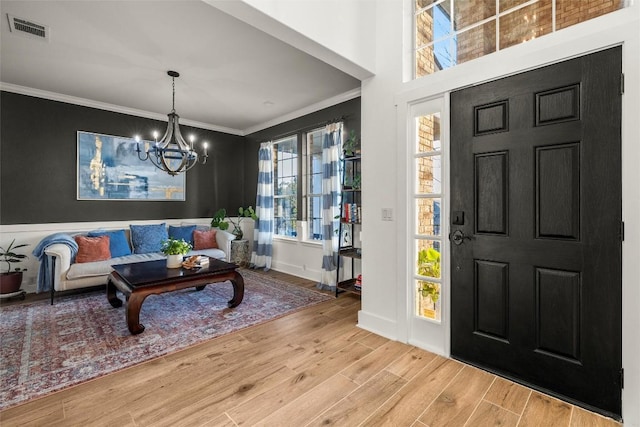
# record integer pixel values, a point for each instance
(109, 169)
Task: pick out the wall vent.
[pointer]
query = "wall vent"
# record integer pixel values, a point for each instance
(28, 28)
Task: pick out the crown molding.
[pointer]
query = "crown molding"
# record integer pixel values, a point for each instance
(53, 96)
(343, 97)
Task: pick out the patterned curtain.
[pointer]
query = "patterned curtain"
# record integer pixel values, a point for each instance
(263, 231)
(330, 204)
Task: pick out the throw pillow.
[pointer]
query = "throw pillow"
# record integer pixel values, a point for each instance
(185, 232)
(148, 238)
(92, 248)
(119, 246)
(198, 226)
(205, 240)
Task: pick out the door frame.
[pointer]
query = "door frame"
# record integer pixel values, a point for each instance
(424, 333)
(617, 28)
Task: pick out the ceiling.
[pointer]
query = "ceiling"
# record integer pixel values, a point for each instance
(233, 77)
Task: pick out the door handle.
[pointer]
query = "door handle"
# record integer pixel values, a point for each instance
(458, 237)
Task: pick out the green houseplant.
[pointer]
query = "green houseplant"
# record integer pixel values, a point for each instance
(11, 280)
(351, 146)
(175, 249)
(243, 213)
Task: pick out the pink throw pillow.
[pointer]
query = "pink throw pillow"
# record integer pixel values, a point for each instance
(204, 239)
(92, 248)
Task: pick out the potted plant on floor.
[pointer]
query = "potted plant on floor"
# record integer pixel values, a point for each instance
(175, 250)
(11, 280)
(243, 213)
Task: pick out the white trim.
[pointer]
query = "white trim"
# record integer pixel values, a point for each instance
(53, 96)
(38, 93)
(378, 325)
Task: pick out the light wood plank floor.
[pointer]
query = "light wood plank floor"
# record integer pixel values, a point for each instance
(311, 368)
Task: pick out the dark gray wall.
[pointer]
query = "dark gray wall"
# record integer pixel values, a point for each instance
(38, 166)
(348, 110)
(38, 143)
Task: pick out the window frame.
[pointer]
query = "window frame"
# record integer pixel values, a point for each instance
(308, 176)
(452, 34)
(296, 197)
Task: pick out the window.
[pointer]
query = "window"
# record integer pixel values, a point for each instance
(292, 186)
(427, 197)
(313, 164)
(313, 181)
(285, 175)
(450, 32)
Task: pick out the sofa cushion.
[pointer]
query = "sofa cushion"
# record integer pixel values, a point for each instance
(92, 248)
(148, 238)
(184, 232)
(118, 244)
(103, 268)
(204, 240)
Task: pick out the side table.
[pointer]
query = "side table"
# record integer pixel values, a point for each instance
(240, 252)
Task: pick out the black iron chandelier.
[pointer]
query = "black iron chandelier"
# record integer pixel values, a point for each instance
(172, 153)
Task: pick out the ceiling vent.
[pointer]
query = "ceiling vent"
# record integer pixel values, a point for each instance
(28, 28)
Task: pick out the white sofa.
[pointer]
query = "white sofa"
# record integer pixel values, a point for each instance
(68, 275)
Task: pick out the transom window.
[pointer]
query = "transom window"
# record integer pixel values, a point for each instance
(450, 32)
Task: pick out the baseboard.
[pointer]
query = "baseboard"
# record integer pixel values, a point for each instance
(295, 270)
(378, 325)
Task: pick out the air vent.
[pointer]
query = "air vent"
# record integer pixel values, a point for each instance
(28, 28)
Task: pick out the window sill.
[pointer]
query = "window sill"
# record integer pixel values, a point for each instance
(295, 240)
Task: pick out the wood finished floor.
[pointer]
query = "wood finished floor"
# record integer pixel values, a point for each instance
(311, 368)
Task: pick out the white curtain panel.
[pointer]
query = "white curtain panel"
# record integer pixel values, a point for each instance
(263, 230)
(330, 204)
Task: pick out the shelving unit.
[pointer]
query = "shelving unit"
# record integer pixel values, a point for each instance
(350, 223)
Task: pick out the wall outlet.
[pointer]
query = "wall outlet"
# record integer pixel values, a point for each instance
(387, 214)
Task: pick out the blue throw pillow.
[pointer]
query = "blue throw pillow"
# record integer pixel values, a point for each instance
(118, 243)
(185, 232)
(148, 238)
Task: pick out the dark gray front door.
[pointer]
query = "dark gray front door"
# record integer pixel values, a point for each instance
(536, 266)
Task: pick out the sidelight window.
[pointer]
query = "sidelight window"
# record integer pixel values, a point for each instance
(427, 202)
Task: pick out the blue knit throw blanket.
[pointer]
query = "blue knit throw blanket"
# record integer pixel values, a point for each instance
(45, 276)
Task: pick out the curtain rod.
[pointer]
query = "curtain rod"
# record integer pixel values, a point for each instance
(309, 127)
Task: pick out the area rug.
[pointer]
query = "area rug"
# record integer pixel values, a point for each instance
(45, 348)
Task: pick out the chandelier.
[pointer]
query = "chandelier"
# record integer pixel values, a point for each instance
(172, 153)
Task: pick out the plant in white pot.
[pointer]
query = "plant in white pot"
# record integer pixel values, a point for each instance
(11, 280)
(175, 249)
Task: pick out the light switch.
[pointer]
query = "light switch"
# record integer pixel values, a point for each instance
(387, 214)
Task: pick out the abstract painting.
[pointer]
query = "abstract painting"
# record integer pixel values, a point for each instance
(109, 169)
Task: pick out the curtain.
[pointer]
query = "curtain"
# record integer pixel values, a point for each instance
(330, 204)
(263, 230)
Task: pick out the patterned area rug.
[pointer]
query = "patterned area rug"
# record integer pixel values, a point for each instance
(46, 348)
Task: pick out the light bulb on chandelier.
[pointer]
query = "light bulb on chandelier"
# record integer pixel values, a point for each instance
(171, 153)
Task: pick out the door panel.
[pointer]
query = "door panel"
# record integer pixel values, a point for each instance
(536, 290)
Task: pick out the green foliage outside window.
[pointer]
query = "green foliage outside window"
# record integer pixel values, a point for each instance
(429, 265)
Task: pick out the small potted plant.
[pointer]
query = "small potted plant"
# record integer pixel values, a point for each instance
(11, 280)
(351, 147)
(175, 249)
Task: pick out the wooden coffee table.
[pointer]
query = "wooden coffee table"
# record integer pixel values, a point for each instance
(141, 279)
